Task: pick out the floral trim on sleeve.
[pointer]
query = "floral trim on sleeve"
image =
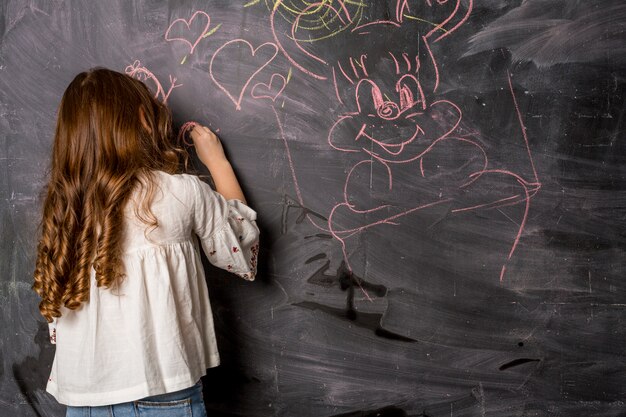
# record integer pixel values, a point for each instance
(233, 246)
(249, 276)
(255, 251)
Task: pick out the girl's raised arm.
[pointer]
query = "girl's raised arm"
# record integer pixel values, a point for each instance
(211, 153)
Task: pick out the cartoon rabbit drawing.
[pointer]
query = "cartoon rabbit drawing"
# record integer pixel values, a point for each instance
(405, 145)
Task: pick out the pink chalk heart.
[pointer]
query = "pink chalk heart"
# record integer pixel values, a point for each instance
(271, 90)
(178, 22)
(232, 48)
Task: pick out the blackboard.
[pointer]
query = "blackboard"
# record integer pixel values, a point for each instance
(440, 187)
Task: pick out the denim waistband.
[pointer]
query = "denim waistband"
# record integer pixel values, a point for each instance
(176, 395)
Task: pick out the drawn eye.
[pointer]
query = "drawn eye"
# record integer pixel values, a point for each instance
(406, 97)
(377, 97)
(410, 92)
(369, 97)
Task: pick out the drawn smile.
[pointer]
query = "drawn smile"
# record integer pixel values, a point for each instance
(390, 148)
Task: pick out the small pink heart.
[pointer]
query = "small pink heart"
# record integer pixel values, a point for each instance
(271, 93)
(253, 51)
(188, 24)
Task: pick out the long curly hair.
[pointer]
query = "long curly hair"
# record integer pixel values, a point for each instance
(111, 135)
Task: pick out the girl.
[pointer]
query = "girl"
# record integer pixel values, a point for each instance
(118, 266)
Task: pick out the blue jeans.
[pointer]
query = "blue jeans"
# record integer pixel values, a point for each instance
(184, 403)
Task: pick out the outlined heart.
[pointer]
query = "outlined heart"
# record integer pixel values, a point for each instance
(259, 88)
(253, 52)
(188, 24)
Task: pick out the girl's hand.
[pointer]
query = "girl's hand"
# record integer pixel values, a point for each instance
(208, 146)
(210, 151)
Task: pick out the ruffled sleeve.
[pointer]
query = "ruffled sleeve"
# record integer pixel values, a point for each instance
(227, 230)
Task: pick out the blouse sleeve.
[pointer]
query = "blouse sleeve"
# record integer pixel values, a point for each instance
(227, 230)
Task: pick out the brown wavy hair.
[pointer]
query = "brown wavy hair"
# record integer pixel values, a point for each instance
(111, 134)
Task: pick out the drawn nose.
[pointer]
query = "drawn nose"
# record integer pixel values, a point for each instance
(388, 111)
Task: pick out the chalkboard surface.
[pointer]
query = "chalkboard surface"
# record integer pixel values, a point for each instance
(440, 186)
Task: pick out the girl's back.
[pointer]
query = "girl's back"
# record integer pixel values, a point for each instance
(124, 289)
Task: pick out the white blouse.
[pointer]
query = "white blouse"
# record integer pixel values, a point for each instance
(155, 334)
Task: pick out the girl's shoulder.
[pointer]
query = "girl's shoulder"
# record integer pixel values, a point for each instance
(176, 180)
(181, 185)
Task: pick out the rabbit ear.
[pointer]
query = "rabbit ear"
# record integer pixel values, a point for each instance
(296, 33)
(402, 7)
(456, 18)
(446, 15)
